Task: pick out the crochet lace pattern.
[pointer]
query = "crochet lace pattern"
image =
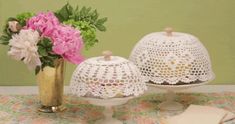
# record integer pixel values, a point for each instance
(105, 79)
(172, 59)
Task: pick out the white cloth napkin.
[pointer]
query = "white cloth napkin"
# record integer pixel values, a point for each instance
(196, 114)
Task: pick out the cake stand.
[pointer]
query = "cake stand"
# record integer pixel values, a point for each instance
(108, 104)
(170, 104)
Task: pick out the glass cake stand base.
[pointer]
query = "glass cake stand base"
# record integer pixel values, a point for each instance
(108, 104)
(170, 104)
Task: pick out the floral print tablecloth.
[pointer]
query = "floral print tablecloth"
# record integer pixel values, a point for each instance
(22, 109)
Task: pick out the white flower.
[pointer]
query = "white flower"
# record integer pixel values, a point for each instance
(14, 26)
(24, 47)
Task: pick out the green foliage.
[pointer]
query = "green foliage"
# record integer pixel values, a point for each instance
(85, 19)
(4, 39)
(7, 34)
(87, 31)
(23, 17)
(47, 57)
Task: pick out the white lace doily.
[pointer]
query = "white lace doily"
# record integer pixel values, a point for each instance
(172, 57)
(102, 78)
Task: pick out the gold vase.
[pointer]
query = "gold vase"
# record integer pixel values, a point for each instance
(51, 87)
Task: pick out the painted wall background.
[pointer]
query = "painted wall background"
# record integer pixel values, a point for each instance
(213, 21)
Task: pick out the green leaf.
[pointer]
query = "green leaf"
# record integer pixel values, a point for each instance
(65, 12)
(11, 19)
(4, 42)
(38, 68)
(43, 65)
(46, 42)
(101, 21)
(23, 17)
(77, 9)
(86, 11)
(42, 51)
(44, 47)
(94, 16)
(4, 39)
(47, 57)
(101, 27)
(69, 9)
(51, 64)
(83, 10)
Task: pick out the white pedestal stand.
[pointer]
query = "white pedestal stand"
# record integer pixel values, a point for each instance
(170, 104)
(108, 104)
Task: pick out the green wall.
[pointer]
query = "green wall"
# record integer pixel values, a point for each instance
(213, 21)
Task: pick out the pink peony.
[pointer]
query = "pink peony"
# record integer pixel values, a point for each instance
(44, 22)
(68, 43)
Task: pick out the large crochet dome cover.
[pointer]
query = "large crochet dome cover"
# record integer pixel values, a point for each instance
(172, 59)
(106, 79)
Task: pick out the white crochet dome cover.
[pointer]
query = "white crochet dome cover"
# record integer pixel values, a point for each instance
(106, 79)
(174, 58)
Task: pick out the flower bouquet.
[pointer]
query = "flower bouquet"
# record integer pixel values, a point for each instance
(44, 40)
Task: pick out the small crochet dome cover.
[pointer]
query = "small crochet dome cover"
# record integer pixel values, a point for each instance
(107, 76)
(172, 58)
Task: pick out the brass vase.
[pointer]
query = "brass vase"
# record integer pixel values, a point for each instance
(51, 87)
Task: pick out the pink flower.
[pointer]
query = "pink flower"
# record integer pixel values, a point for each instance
(44, 22)
(68, 43)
